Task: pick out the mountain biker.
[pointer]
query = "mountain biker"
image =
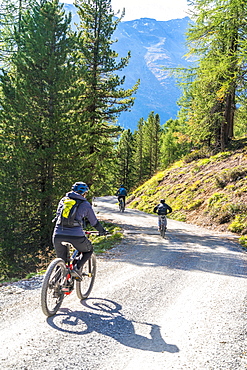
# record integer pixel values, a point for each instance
(162, 209)
(121, 193)
(76, 234)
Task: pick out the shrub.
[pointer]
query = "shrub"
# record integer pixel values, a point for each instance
(178, 216)
(197, 154)
(243, 241)
(215, 199)
(230, 175)
(194, 205)
(239, 224)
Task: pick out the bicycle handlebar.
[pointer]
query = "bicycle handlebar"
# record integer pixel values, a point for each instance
(96, 233)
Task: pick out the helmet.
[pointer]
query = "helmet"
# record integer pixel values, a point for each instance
(162, 200)
(80, 187)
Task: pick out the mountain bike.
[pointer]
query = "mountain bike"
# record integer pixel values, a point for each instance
(58, 281)
(121, 205)
(162, 225)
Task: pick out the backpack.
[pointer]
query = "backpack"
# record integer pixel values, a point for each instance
(162, 209)
(122, 191)
(68, 212)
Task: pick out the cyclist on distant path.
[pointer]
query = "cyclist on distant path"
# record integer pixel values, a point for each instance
(75, 234)
(162, 209)
(121, 193)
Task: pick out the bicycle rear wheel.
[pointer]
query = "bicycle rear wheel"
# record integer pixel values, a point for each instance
(162, 227)
(121, 205)
(85, 285)
(51, 292)
(162, 231)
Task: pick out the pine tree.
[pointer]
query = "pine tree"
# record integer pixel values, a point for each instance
(103, 98)
(138, 154)
(125, 151)
(10, 18)
(151, 144)
(218, 37)
(40, 142)
(175, 142)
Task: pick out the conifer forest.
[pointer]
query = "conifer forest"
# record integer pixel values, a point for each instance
(61, 96)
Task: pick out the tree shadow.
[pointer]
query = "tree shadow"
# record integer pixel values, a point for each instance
(104, 316)
(185, 250)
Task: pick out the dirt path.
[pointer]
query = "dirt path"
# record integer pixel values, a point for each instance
(174, 303)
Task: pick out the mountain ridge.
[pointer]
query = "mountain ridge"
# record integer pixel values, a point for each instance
(153, 46)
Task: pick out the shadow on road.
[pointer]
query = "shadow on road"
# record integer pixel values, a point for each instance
(185, 250)
(104, 317)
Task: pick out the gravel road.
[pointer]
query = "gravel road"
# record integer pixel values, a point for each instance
(175, 303)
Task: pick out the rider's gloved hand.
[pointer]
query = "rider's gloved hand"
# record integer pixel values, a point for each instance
(100, 229)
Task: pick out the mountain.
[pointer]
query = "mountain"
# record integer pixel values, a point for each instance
(153, 46)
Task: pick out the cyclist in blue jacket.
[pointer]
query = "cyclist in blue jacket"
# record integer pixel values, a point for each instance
(122, 193)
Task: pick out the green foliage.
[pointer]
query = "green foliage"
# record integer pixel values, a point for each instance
(189, 188)
(125, 170)
(147, 147)
(102, 96)
(215, 200)
(243, 241)
(196, 154)
(174, 142)
(35, 104)
(239, 224)
(230, 175)
(104, 243)
(178, 216)
(194, 204)
(214, 87)
(59, 99)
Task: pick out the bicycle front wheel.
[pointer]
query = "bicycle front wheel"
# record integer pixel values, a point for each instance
(85, 285)
(51, 292)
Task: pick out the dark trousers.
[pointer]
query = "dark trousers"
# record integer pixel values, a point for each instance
(123, 197)
(81, 243)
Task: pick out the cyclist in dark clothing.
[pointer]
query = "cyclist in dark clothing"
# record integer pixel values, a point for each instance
(76, 234)
(162, 209)
(121, 193)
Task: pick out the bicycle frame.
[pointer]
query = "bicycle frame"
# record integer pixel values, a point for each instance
(59, 281)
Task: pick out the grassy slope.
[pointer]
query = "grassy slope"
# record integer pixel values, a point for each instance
(210, 192)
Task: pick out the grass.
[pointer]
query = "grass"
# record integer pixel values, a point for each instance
(104, 243)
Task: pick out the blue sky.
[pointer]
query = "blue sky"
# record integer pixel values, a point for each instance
(161, 10)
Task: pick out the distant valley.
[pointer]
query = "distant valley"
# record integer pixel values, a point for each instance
(153, 45)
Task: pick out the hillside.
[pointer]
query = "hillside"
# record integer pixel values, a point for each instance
(209, 192)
